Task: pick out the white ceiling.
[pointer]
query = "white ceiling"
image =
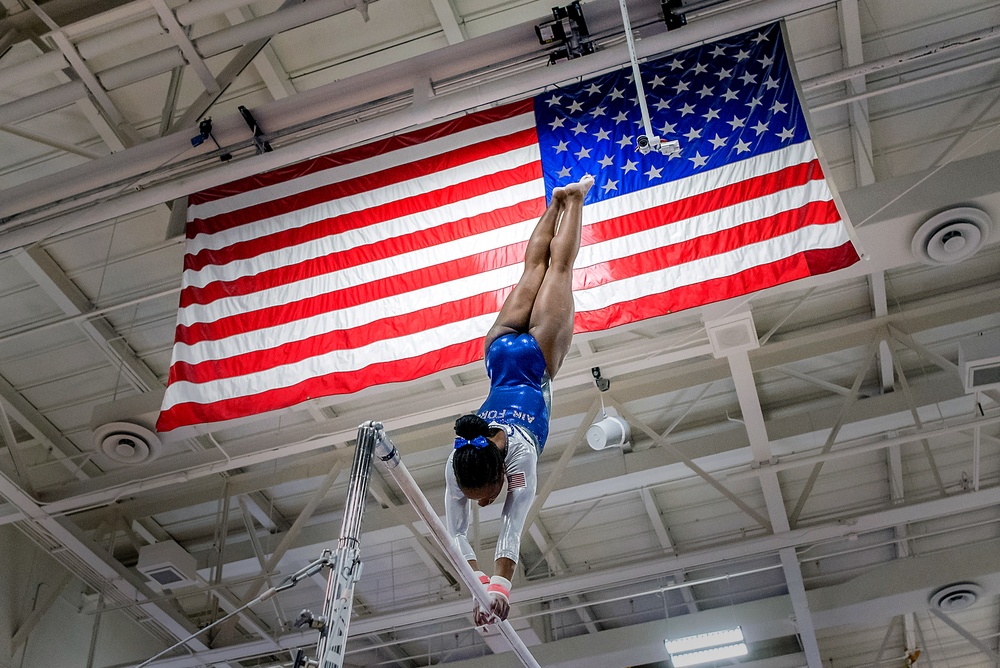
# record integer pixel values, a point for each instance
(855, 370)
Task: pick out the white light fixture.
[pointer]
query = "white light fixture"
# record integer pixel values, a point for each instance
(706, 647)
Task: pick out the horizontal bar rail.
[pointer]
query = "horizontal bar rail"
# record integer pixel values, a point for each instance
(386, 451)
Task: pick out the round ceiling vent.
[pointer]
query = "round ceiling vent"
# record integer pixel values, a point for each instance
(951, 236)
(127, 443)
(956, 597)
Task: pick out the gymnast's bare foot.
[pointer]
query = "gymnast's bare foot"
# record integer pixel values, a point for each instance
(558, 195)
(580, 188)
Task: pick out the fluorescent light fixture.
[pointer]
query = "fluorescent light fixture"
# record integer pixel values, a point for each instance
(706, 647)
(708, 655)
(704, 640)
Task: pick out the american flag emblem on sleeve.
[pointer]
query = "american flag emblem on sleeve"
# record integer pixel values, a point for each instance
(515, 480)
(389, 261)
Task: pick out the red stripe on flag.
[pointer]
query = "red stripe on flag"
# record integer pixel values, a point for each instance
(686, 208)
(824, 212)
(800, 265)
(483, 303)
(370, 150)
(355, 220)
(351, 295)
(189, 413)
(331, 193)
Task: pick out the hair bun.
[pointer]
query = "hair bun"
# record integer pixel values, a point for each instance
(471, 425)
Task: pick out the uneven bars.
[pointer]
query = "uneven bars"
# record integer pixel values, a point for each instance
(389, 456)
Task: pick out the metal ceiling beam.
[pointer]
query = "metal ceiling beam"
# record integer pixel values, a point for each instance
(448, 18)
(97, 92)
(853, 55)
(634, 421)
(113, 575)
(952, 46)
(51, 142)
(239, 62)
(832, 437)
(180, 37)
(866, 444)
(71, 301)
(558, 566)
(962, 631)
(267, 63)
(760, 446)
(918, 423)
(856, 599)
(32, 420)
(321, 101)
(667, 543)
(41, 607)
(20, 465)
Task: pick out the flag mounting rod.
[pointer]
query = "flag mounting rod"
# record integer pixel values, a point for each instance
(389, 456)
(649, 141)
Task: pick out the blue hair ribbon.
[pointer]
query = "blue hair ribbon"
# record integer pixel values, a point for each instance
(479, 442)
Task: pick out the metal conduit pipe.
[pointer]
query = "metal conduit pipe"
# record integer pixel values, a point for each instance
(167, 59)
(151, 26)
(40, 103)
(46, 63)
(202, 9)
(316, 103)
(142, 68)
(962, 43)
(116, 38)
(223, 40)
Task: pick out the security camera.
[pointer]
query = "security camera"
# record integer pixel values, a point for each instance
(643, 144)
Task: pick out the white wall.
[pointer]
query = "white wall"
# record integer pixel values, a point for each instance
(62, 638)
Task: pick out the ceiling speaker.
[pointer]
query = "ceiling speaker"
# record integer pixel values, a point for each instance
(127, 442)
(951, 236)
(956, 597)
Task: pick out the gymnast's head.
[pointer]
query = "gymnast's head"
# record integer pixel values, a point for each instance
(479, 459)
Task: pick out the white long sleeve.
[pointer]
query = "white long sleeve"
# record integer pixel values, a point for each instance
(521, 462)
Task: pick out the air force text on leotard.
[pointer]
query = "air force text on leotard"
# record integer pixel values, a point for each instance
(500, 415)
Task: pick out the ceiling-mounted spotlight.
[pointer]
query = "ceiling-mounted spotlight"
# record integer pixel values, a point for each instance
(205, 132)
(568, 28)
(673, 14)
(609, 432)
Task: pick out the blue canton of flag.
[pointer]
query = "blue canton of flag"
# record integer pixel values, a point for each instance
(723, 102)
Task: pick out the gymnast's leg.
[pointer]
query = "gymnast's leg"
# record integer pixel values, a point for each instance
(551, 320)
(515, 314)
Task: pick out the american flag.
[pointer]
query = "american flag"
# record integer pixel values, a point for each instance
(389, 261)
(516, 480)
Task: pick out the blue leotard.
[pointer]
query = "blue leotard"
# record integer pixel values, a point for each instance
(519, 385)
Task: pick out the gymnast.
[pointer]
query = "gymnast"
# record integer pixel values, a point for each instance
(524, 349)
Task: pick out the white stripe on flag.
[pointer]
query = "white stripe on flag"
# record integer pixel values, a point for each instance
(709, 223)
(371, 198)
(725, 264)
(354, 359)
(364, 167)
(714, 266)
(429, 219)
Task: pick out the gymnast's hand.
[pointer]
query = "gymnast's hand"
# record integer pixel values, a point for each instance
(499, 595)
(499, 609)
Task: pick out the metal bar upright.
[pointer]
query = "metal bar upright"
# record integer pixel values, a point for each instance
(345, 566)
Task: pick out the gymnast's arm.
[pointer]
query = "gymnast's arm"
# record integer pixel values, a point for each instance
(456, 513)
(521, 483)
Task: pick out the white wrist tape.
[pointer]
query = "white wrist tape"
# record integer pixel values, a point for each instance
(500, 586)
(483, 577)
